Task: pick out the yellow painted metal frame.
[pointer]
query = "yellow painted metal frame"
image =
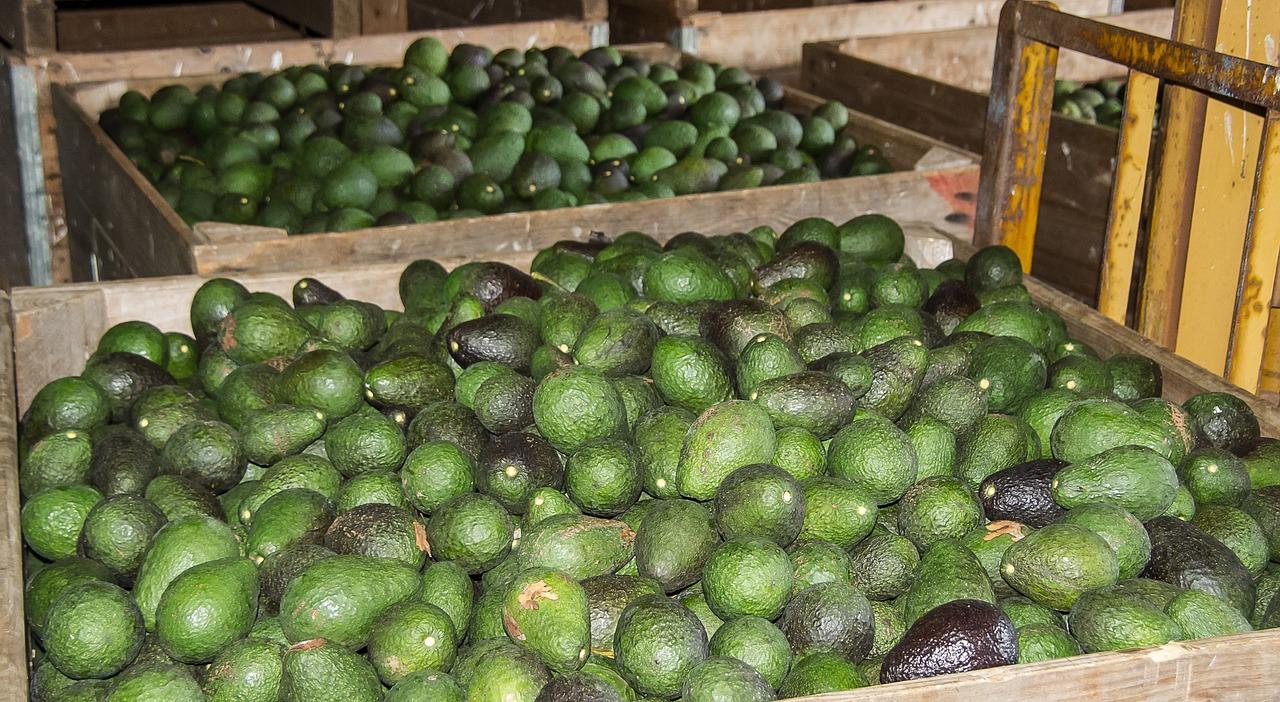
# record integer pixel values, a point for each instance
(1030, 34)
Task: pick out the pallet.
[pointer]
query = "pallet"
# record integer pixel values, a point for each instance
(936, 84)
(766, 35)
(121, 227)
(53, 330)
(33, 142)
(439, 14)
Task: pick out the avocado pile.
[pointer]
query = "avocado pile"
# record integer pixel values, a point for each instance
(739, 467)
(1099, 102)
(470, 133)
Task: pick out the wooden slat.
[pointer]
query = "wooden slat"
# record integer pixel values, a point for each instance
(737, 39)
(1018, 115)
(13, 243)
(13, 643)
(461, 13)
(126, 28)
(384, 16)
(330, 18)
(1182, 126)
(1232, 137)
(28, 25)
(1262, 252)
(963, 57)
(1127, 196)
(269, 56)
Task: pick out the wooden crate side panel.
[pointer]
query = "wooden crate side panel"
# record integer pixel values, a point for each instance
(159, 26)
(735, 38)
(384, 16)
(116, 219)
(271, 56)
(907, 196)
(71, 318)
(28, 25)
(328, 18)
(13, 643)
(1078, 168)
(963, 57)
(1238, 668)
(438, 13)
(13, 240)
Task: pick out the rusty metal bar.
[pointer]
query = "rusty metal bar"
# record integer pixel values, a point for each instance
(1221, 75)
(1257, 278)
(1018, 116)
(1126, 195)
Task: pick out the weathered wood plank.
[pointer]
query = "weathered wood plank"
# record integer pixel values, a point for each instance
(330, 18)
(13, 640)
(152, 27)
(27, 25)
(13, 241)
(384, 16)
(447, 13)
(151, 240)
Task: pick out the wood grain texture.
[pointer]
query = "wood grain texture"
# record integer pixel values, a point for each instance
(152, 27)
(13, 640)
(327, 18)
(734, 38)
(384, 16)
(28, 25)
(159, 243)
(13, 240)
(432, 14)
(1127, 196)
(963, 57)
(113, 213)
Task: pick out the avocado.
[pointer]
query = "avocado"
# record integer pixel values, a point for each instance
(247, 669)
(409, 638)
(947, 571)
(1023, 493)
(322, 670)
(707, 458)
(829, 617)
(379, 530)
(690, 373)
(581, 546)
(116, 533)
(821, 672)
(472, 529)
(674, 542)
(558, 408)
(278, 569)
(1053, 566)
(1183, 555)
(603, 477)
(1225, 421)
(747, 576)
(368, 585)
(875, 456)
(989, 641)
(179, 545)
(657, 642)
(92, 630)
(1135, 478)
(499, 338)
(617, 342)
(514, 466)
(817, 402)
(206, 608)
(291, 516)
(1107, 620)
(935, 508)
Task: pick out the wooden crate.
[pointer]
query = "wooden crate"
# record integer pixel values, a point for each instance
(32, 143)
(121, 227)
(936, 83)
(47, 26)
(49, 332)
(438, 14)
(766, 35)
